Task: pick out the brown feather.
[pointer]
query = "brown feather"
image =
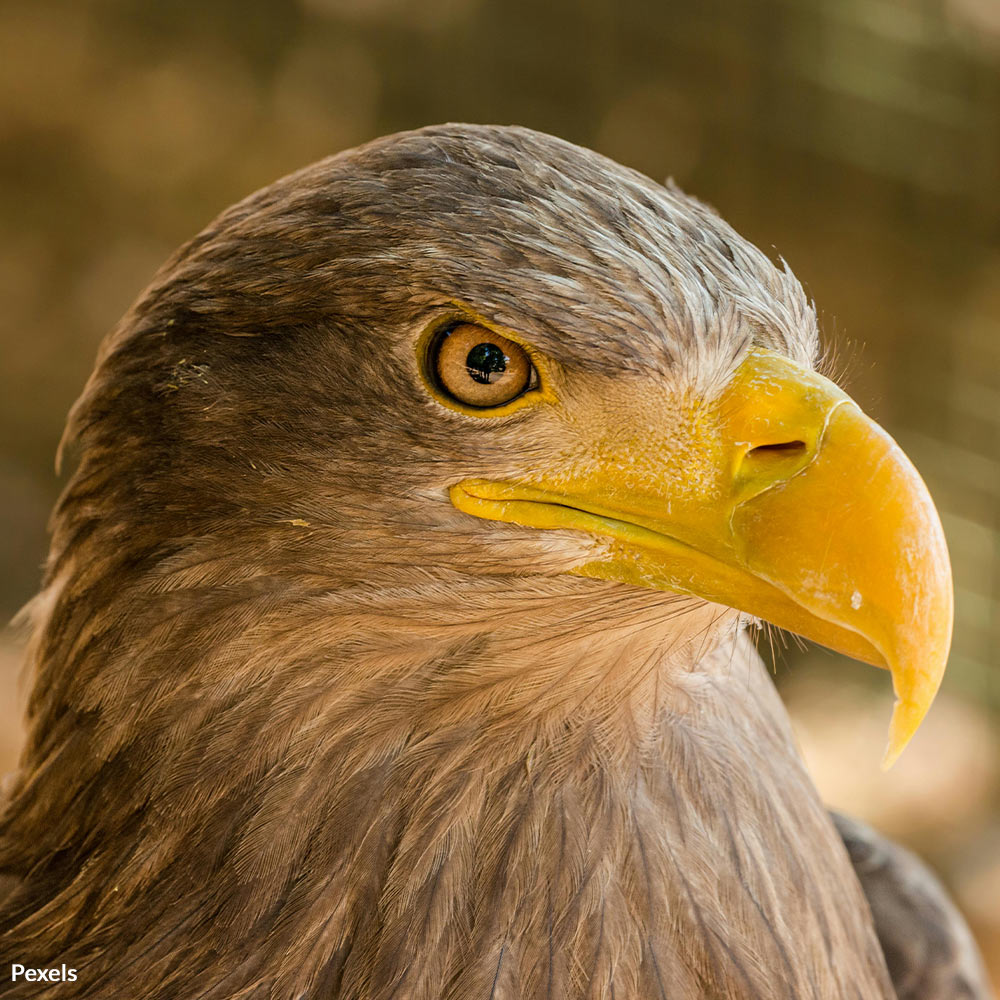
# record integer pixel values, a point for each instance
(928, 947)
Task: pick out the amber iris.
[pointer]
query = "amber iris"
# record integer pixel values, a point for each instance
(480, 367)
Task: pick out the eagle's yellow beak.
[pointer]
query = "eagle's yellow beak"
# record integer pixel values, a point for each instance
(782, 500)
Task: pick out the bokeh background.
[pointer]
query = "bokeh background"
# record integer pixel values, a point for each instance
(859, 139)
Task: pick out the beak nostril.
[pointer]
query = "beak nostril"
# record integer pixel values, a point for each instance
(781, 449)
(767, 464)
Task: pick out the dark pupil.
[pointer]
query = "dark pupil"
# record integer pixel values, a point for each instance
(484, 361)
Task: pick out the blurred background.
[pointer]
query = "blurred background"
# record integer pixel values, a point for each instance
(859, 139)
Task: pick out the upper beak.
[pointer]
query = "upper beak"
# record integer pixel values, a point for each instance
(793, 506)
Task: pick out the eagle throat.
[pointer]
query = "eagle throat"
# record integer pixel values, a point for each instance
(338, 790)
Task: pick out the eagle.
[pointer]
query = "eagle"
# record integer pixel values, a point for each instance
(395, 639)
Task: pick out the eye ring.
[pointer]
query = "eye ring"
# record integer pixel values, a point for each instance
(480, 368)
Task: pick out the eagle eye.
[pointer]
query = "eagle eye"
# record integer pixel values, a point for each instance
(479, 367)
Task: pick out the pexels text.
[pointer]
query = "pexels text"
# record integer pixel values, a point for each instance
(60, 975)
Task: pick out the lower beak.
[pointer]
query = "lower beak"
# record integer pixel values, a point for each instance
(794, 507)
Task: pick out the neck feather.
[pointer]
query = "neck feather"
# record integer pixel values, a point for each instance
(564, 789)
